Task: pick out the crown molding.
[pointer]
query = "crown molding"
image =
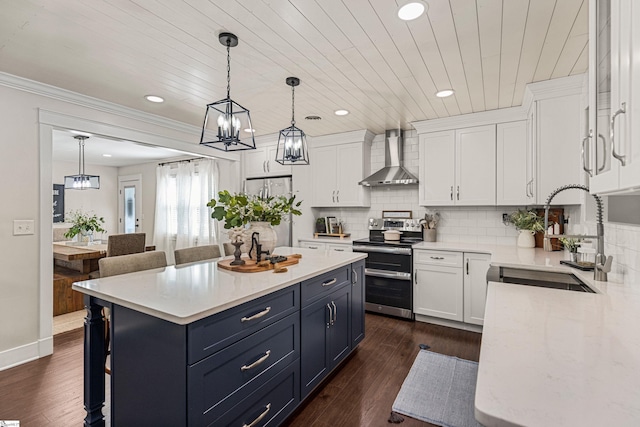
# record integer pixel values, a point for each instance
(43, 89)
(363, 135)
(482, 118)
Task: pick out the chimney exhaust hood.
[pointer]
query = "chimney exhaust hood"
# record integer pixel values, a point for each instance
(392, 173)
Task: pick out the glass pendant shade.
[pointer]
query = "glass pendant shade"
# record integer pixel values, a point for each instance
(81, 181)
(292, 143)
(224, 119)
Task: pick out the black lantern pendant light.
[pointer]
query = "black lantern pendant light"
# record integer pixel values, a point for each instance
(81, 181)
(292, 142)
(229, 117)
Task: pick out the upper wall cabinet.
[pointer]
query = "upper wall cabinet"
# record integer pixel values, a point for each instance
(514, 149)
(613, 155)
(262, 161)
(458, 167)
(337, 163)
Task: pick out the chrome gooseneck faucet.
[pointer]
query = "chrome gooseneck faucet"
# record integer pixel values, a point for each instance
(603, 263)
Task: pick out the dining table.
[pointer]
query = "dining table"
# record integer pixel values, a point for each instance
(82, 256)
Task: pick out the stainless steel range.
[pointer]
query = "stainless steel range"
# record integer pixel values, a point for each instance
(389, 266)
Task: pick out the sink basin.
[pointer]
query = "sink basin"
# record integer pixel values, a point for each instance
(544, 279)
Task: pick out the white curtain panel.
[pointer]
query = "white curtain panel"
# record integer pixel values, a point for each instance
(182, 217)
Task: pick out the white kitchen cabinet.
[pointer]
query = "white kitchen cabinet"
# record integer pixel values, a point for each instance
(262, 162)
(330, 246)
(458, 167)
(513, 151)
(614, 153)
(450, 285)
(475, 286)
(438, 285)
(338, 163)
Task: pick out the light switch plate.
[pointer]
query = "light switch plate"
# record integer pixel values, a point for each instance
(23, 227)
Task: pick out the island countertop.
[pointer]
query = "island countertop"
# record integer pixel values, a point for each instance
(194, 291)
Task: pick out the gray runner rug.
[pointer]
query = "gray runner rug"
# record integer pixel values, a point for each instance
(440, 390)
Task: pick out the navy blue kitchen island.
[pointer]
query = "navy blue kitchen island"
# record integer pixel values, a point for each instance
(197, 345)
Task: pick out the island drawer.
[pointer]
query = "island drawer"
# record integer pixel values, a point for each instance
(323, 284)
(269, 405)
(444, 258)
(222, 380)
(214, 333)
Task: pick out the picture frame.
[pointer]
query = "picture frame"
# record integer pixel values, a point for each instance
(397, 214)
(332, 225)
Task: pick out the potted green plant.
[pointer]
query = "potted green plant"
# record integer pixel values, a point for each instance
(84, 224)
(528, 223)
(321, 225)
(239, 209)
(572, 246)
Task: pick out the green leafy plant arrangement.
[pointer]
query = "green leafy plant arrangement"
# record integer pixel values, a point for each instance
(527, 220)
(570, 243)
(83, 223)
(239, 209)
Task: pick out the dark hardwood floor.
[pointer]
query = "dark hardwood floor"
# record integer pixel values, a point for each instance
(48, 391)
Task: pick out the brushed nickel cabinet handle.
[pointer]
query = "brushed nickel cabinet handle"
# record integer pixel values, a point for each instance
(257, 315)
(415, 277)
(467, 266)
(619, 157)
(335, 313)
(437, 257)
(330, 323)
(458, 192)
(257, 362)
(604, 153)
(584, 158)
(354, 274)
(338, 196)
(260, 417)
(329, 282)
(451, 194)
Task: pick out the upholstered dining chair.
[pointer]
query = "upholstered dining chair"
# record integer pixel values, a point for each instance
(196, 253)
(113, 266)
(125, 244)
(229, 249)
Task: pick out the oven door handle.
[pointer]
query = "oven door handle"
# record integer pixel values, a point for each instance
(381, 249)
(387, 274)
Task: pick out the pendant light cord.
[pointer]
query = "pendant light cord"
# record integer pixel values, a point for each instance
(228, 68)
(293, 111)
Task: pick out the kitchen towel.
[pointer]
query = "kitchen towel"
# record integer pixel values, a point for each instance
(440, 390)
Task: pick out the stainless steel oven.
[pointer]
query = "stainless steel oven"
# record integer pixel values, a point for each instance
(388, 268)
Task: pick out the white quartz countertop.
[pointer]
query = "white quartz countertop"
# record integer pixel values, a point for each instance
(194, 291)
(552, 357)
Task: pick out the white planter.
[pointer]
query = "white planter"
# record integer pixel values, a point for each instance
(267, 237)
(526, 239)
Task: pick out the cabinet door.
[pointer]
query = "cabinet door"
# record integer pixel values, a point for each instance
(314, 352)
(274, 168)
(475, 287)
(476, 166)
(255, 162)
(511, 162)
(340, 331)
(558, 141)
(357, 303)
(437, 168)
(324, 173)
(348, 158)
(438, 291)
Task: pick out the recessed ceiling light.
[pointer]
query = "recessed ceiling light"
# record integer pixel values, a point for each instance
(249, 130)
(154, 98)
(444, 93)
(341, 112)
(411, 10)
(106, 155)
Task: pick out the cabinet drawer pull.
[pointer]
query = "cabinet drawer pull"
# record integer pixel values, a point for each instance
(458, 192)
(354, 276)
(339, 250)
(330, 315)
(437, 257)
(604, 153)
(583, 152)
(257, 315)
(257, 362)
(330, 282)
(312, 247)
(260, 417)
(451, 192)
(622, 110)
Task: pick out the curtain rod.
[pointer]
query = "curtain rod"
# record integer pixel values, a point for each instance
(180, 161)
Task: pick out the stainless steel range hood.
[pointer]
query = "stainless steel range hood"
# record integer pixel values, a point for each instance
(392, 173)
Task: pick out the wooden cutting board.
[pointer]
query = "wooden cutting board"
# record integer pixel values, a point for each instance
(250, 266)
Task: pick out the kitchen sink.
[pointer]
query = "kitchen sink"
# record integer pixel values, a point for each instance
(544, 279)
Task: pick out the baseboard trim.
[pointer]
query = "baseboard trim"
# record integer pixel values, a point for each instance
(449, 323)
(25, 353)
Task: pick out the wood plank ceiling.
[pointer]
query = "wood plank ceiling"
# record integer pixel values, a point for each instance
(351, 54)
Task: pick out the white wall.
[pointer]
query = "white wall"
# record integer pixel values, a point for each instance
(29, 112)
(102, 201)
